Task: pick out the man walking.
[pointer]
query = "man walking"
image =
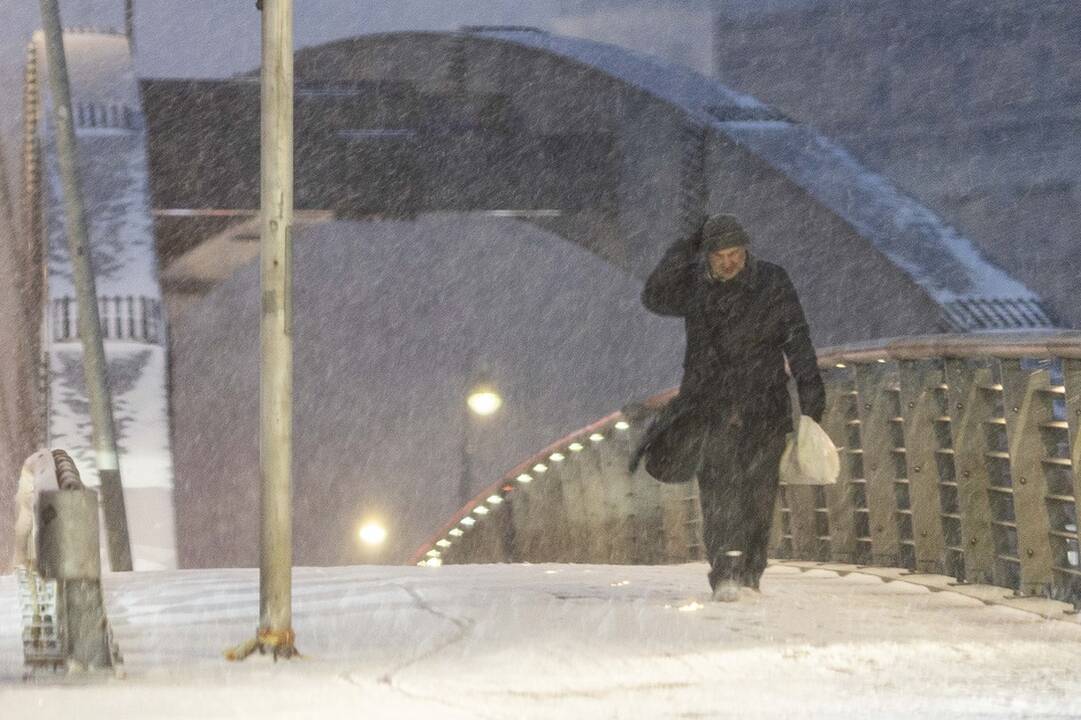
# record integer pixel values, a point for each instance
(743, 320)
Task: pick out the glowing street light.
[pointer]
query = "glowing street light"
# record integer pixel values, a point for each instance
(484, 400)
(372, 533)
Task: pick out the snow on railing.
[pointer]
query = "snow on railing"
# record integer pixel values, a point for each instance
(128, 317)
(958, 457)
(101, 115)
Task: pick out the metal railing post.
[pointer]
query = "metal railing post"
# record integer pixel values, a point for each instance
(593, 492)
(969, 407)
(802, 517)
(681, 543)
(776, 547)
(484, 541)
(873, 381)
(801, 502)
(1026, 407)
(524, 516)
(1071, 372)
(543, 503)
(694, 532)
(557, 532)
(578, 509)
(612, 487)
(840, 496)
(641, 499)
(920, 409)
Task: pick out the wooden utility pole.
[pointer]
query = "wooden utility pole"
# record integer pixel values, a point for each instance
(94, 368)
(275, 633)
(276, 332)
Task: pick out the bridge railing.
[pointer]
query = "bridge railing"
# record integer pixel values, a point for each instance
(958, 457)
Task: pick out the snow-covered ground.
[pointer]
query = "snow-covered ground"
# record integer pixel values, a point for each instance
(546, 641)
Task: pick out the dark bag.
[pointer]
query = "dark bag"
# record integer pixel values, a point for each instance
(672, 446)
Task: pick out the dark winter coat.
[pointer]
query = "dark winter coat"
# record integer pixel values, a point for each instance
(739, 334)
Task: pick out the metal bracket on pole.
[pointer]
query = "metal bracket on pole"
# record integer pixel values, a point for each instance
(63, 610)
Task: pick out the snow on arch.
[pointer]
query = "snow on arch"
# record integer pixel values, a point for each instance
(974, 294)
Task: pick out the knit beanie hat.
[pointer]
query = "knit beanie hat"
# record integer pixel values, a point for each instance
(721, 232)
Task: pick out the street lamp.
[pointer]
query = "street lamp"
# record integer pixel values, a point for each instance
(372, 533)
(482, 400)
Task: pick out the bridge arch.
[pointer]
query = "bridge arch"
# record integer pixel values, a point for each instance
(607, 148)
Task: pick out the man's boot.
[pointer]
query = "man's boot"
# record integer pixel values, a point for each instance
(726, 591)
(728, 587)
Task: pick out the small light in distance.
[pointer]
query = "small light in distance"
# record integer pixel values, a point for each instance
(484, 402)
(468, 521)
(881, 360)
(372, 533)
(456, 532)
(622, 425)
(495, 499)
(840, 366)
(540, 467)
(480, 510)
(596, 437)
(523, 478)
(557, 457)
(575, 447)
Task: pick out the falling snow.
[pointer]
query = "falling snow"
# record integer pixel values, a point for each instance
(914, 167)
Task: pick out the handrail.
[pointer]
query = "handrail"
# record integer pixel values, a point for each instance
(1011, 345)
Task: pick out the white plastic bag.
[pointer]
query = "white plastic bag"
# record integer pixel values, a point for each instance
(810, 458)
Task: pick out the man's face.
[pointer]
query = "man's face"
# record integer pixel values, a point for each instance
(725, 264)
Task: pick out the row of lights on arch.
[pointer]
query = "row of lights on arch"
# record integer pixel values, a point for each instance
(434, 556)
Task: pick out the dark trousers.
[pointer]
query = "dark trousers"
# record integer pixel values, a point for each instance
(737, 484)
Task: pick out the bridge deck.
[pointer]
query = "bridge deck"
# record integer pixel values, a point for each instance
(562, 640)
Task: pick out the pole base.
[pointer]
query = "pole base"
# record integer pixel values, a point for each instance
(279, 643)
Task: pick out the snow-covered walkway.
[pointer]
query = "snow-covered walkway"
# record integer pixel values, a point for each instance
(547, 641)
